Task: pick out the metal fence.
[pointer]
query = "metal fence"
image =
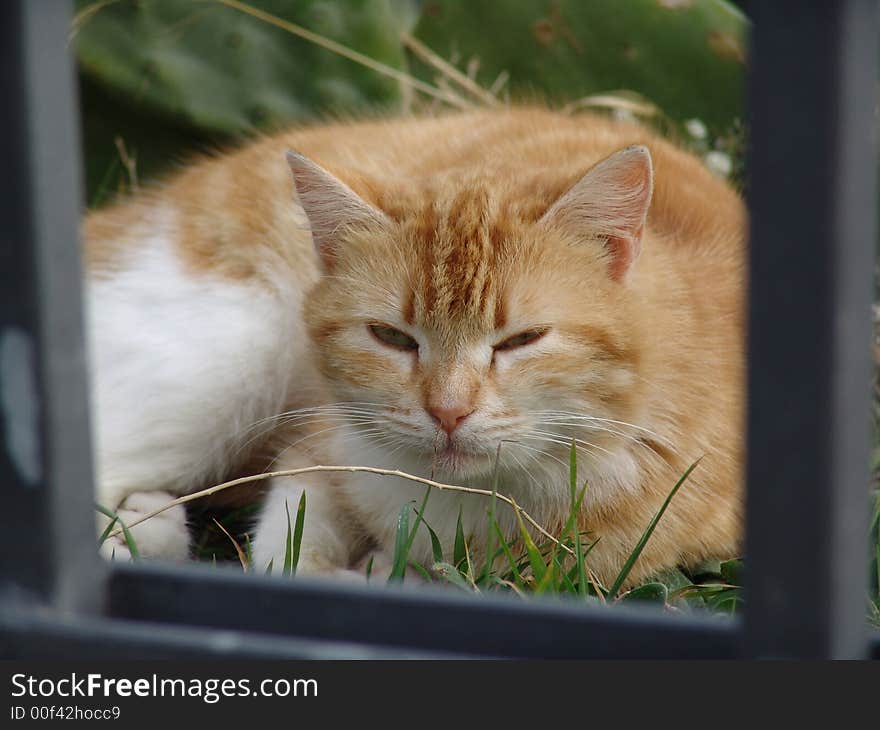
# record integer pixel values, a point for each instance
(813, 203)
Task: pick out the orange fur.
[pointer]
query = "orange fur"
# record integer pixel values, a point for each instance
(464, 259)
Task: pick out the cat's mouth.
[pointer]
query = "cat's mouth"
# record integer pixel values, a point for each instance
(455, 458)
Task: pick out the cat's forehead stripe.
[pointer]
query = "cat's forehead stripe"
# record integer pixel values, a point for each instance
(459, 246)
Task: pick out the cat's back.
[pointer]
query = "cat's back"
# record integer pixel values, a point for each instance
(522, 153)
(235, 210)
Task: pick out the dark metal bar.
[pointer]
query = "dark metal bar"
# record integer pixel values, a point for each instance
(44, 636)
(47, 525)
(415, 617)
(813, 206)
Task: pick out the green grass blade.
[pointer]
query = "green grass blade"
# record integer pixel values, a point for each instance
(566, 585)
(288, 548)
(408, 537)
(634, 555)
(369, 571)
(732, 572)
(652, 592)
(486, 570)
(450, 573)
(536, 561)
(421, 570)
(574, 573)
(679, 588)
(398, 566)
(126, 533)
(572, 526)
(269, 566)
(547, 582)
(581, 565)
(420, 520)
(129, 540)
(106, 512)
(436, 546)
(107, 531)
(579, 553)
(514, 569)
(459, 552)
(248, 550)
(297, 533)
(469, 567)
(727, 601)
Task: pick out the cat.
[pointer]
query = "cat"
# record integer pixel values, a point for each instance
(456, 296)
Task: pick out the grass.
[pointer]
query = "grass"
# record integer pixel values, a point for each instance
(520, 566)
(114, 519)
(527, 569)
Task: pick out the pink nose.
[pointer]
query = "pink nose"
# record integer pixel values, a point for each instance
(450, 418)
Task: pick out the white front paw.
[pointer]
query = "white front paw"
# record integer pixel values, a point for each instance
(308, 563)
(162, 536)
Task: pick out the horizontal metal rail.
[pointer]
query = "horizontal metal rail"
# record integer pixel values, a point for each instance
(48, 635)
(427, 617)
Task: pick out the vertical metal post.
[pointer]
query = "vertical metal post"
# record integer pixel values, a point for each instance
(813, 206)
(47, 525)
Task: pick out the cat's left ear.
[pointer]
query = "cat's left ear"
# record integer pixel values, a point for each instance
(610, 201)
(330, 205)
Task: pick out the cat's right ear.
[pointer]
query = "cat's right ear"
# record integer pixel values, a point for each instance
(611, 201)
(330, 205)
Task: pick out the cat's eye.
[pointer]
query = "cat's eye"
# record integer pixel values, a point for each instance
(393, 337)
(521, 339)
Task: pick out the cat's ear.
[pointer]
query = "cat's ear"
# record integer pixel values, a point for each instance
(329, 204)
(611, 201)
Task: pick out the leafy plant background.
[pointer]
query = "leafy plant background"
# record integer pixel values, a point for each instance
(163, 80)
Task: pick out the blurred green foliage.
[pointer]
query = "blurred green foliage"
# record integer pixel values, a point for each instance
(686, 56)
(161, 79)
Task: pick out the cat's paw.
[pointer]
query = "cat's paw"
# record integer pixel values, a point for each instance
(348, 575)
(310, 564)
(164, 536)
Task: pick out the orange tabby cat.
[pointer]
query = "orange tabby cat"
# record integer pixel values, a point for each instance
(417, 293)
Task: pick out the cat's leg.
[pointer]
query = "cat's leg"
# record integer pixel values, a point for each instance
(329, 533)
(162, 536)
(185, 368)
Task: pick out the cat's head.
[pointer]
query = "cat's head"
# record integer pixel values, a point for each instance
(461, 314)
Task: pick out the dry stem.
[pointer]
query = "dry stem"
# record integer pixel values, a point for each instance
(344, 51)
(369, 470)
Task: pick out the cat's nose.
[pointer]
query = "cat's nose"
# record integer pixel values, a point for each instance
(450, 418)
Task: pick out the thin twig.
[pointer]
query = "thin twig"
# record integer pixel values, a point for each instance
(86, 14)
(367, 469)
(613, 100)
(129, 162)
(499, 82)
(242, 558)
(341, 50)
(446, 68)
